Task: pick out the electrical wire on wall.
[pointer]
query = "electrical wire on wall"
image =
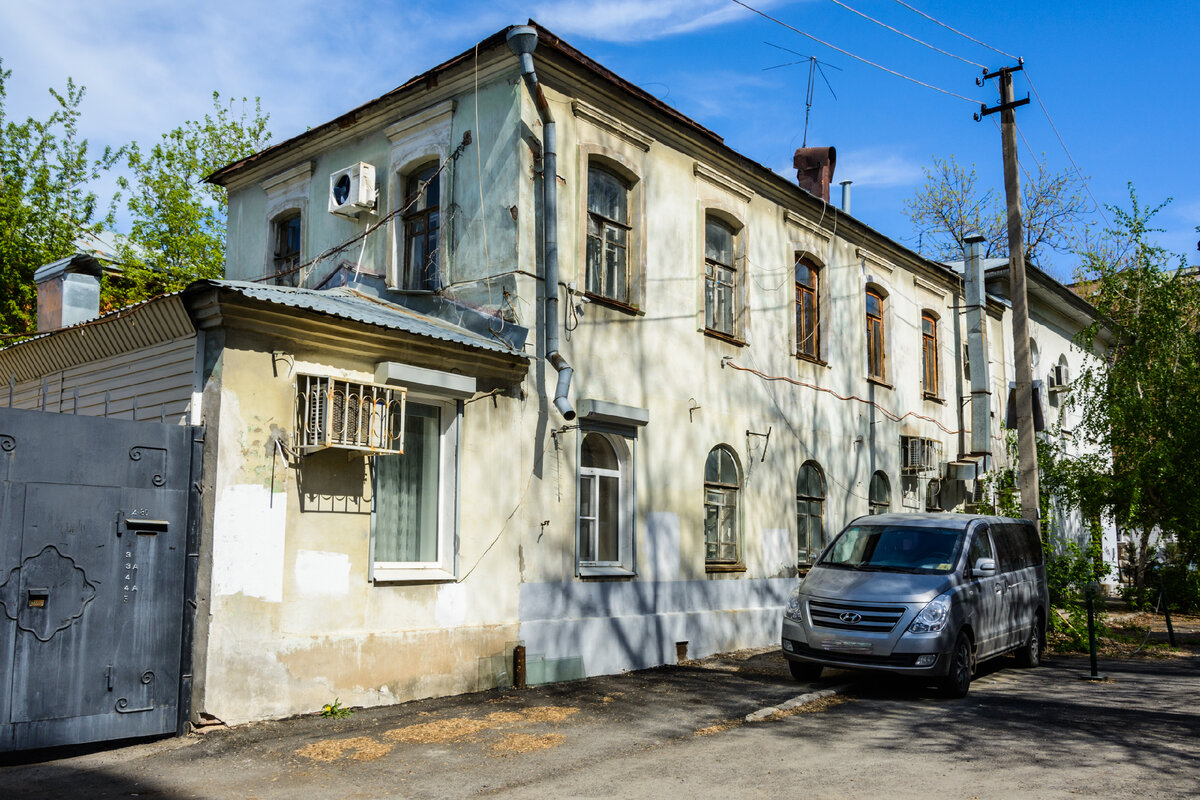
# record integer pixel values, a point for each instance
(375, 226)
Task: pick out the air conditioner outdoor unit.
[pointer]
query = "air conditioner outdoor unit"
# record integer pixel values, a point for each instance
(918, 454)
(363, 417)
(352, 190)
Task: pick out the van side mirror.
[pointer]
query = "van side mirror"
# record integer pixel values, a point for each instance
(984, 568)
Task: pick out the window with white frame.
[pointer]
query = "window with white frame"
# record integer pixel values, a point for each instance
(722, 516)
(605, 517)
(414, 510)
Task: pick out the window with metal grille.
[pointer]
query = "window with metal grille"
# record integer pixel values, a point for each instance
(332, 412)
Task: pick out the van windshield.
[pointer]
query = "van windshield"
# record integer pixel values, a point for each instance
(894, 548)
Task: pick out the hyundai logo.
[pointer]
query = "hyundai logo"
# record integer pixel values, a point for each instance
(850, 617)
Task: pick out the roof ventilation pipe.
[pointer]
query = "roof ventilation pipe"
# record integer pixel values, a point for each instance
(522, 39)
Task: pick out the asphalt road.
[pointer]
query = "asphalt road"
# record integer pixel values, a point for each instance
(683, 731)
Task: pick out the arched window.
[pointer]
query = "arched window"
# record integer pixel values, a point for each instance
(810, 500)
(421, 228)
(720, 277)
(929, 355)
(608, 235)
(880, 496)
(875, 343)
(722, 486)
(808, 315)
(600, 490)
(286, 255)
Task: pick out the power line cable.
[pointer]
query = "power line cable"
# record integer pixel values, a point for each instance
(399, 210)
(955, 30)
(1070, 158)
(907, 36)
(852, 55)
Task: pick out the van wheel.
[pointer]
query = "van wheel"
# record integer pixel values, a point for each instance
(1030, 654)
(805, 670)
(958, 679)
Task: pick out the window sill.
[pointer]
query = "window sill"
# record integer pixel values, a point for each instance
(723, 566)
(618, 305)
(811, 360)
(434, 574)
(725, 337)
(933, 398)
(879, 382)
(605, 572)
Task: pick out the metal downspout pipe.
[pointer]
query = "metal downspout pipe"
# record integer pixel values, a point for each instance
(522, 40)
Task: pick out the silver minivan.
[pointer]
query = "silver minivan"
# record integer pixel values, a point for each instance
(927, 595)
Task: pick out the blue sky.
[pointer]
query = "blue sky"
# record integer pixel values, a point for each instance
(1114, 77)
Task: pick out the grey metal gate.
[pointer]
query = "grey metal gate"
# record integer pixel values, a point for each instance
(97, 561)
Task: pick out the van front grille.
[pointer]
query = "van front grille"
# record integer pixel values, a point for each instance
(854, 617)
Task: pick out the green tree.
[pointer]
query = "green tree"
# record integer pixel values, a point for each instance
(1139, 402)
(45, 199)
(952, 205)
(177, 227)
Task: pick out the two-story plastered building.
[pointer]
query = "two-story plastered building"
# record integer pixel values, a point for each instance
(637, 380)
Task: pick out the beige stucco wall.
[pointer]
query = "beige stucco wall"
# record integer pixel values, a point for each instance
(294, 620)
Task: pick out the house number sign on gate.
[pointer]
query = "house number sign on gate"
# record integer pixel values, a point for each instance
(130, 583)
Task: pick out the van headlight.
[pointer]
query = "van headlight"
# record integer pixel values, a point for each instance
(793, 610)
(933, 617)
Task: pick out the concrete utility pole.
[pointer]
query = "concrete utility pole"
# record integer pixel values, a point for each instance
(1026, 438)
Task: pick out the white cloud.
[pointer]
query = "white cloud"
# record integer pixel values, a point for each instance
(639, 20)
(878, 168)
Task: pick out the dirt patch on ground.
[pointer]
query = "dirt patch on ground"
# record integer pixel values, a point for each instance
(814, 707)
(358, 748)
(720, 727)
(516, 743)
(548, 713)
(440, 730)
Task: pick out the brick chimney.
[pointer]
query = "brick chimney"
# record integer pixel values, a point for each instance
(814, 169)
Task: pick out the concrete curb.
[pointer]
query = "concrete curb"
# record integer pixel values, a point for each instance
(795, 702)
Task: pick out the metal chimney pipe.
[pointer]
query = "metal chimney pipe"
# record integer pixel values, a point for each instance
(846, 196)
(977, 349)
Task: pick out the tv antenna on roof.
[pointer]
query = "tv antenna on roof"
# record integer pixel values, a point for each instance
(814, 67)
